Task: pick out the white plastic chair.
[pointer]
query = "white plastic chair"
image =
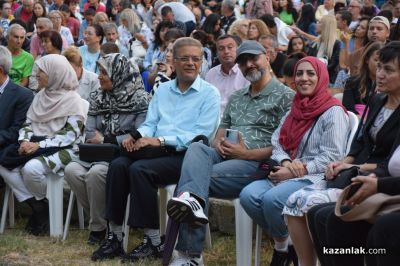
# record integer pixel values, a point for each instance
(353, 124)
(55, 185)
(8, 204)
(54, 194)
(165, 194)
(55, 189)
(244, 235)
(339, 96)
(69, 214)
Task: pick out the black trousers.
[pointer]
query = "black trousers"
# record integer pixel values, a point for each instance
(141, 179)
(328, 231)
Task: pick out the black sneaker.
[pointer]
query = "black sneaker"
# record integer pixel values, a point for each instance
(293, 256)
(145, 250)
(280, 258)
(96, 237)
(110, 248)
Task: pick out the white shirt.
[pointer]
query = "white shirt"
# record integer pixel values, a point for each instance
(226, 83)
(283, 31)
(181, 12)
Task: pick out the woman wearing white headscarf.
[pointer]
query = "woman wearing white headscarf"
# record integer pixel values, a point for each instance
(49, 138)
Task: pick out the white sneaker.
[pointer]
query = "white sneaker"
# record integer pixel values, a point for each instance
(181, 259)
(186, 209)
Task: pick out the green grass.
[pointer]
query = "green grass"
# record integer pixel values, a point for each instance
(20, 248)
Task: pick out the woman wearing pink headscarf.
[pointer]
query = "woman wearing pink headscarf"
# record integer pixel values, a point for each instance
(313, 134)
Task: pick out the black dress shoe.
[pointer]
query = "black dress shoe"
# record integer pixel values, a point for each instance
(280, 258)
(95, 237)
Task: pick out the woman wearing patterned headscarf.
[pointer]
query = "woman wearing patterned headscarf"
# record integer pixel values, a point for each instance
(49, 138)
(116, 108)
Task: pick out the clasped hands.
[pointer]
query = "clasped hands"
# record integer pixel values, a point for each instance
(289, 169)
(27, 147)
(130, 144)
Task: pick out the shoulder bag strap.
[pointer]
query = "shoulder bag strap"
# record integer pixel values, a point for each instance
(308, 137)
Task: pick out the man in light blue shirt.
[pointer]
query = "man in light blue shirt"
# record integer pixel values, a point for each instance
(180, 110)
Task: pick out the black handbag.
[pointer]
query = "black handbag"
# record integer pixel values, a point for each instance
(105, 152)
(265, 168)
(10, 157)
(343, 179)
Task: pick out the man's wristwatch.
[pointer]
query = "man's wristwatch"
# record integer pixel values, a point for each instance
(162, 141)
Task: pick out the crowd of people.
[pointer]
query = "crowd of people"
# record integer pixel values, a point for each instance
(228, 99)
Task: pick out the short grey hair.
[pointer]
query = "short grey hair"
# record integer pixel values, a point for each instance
(229, 3)
(46, 21)
(15, 27)
(185, 41)
(5, 59)
(110, 26)
(271, 37)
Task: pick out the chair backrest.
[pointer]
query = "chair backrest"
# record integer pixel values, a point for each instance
(339, 96)
(353, 121)
(86, 105)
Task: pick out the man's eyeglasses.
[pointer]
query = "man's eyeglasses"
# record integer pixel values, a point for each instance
(247, 57)
(354, 6)
(186, 59)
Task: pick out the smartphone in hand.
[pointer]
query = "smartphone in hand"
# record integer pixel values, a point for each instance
(232, 136)
(353, 190)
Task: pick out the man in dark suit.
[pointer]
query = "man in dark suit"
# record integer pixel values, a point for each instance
(14, 103)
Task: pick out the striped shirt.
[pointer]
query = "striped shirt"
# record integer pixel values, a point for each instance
(327, 143)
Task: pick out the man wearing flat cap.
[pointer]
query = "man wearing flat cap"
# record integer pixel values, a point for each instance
(225, 168)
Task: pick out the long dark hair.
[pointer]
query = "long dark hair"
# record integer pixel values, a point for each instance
(210, 22)
(307, 17)
(365, 40)
(290, 10)
(363, 77)
(30, 24)
(44, 15)
(290, 44)
(160, 26)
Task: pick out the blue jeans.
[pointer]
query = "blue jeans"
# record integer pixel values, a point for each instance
(263, 201)
(205, 173)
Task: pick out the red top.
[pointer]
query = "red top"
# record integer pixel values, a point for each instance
(24, 16)
(74, 24)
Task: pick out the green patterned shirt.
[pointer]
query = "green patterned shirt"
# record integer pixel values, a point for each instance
(257, 117)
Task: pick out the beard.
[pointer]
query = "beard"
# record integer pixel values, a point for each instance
(255, 75)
